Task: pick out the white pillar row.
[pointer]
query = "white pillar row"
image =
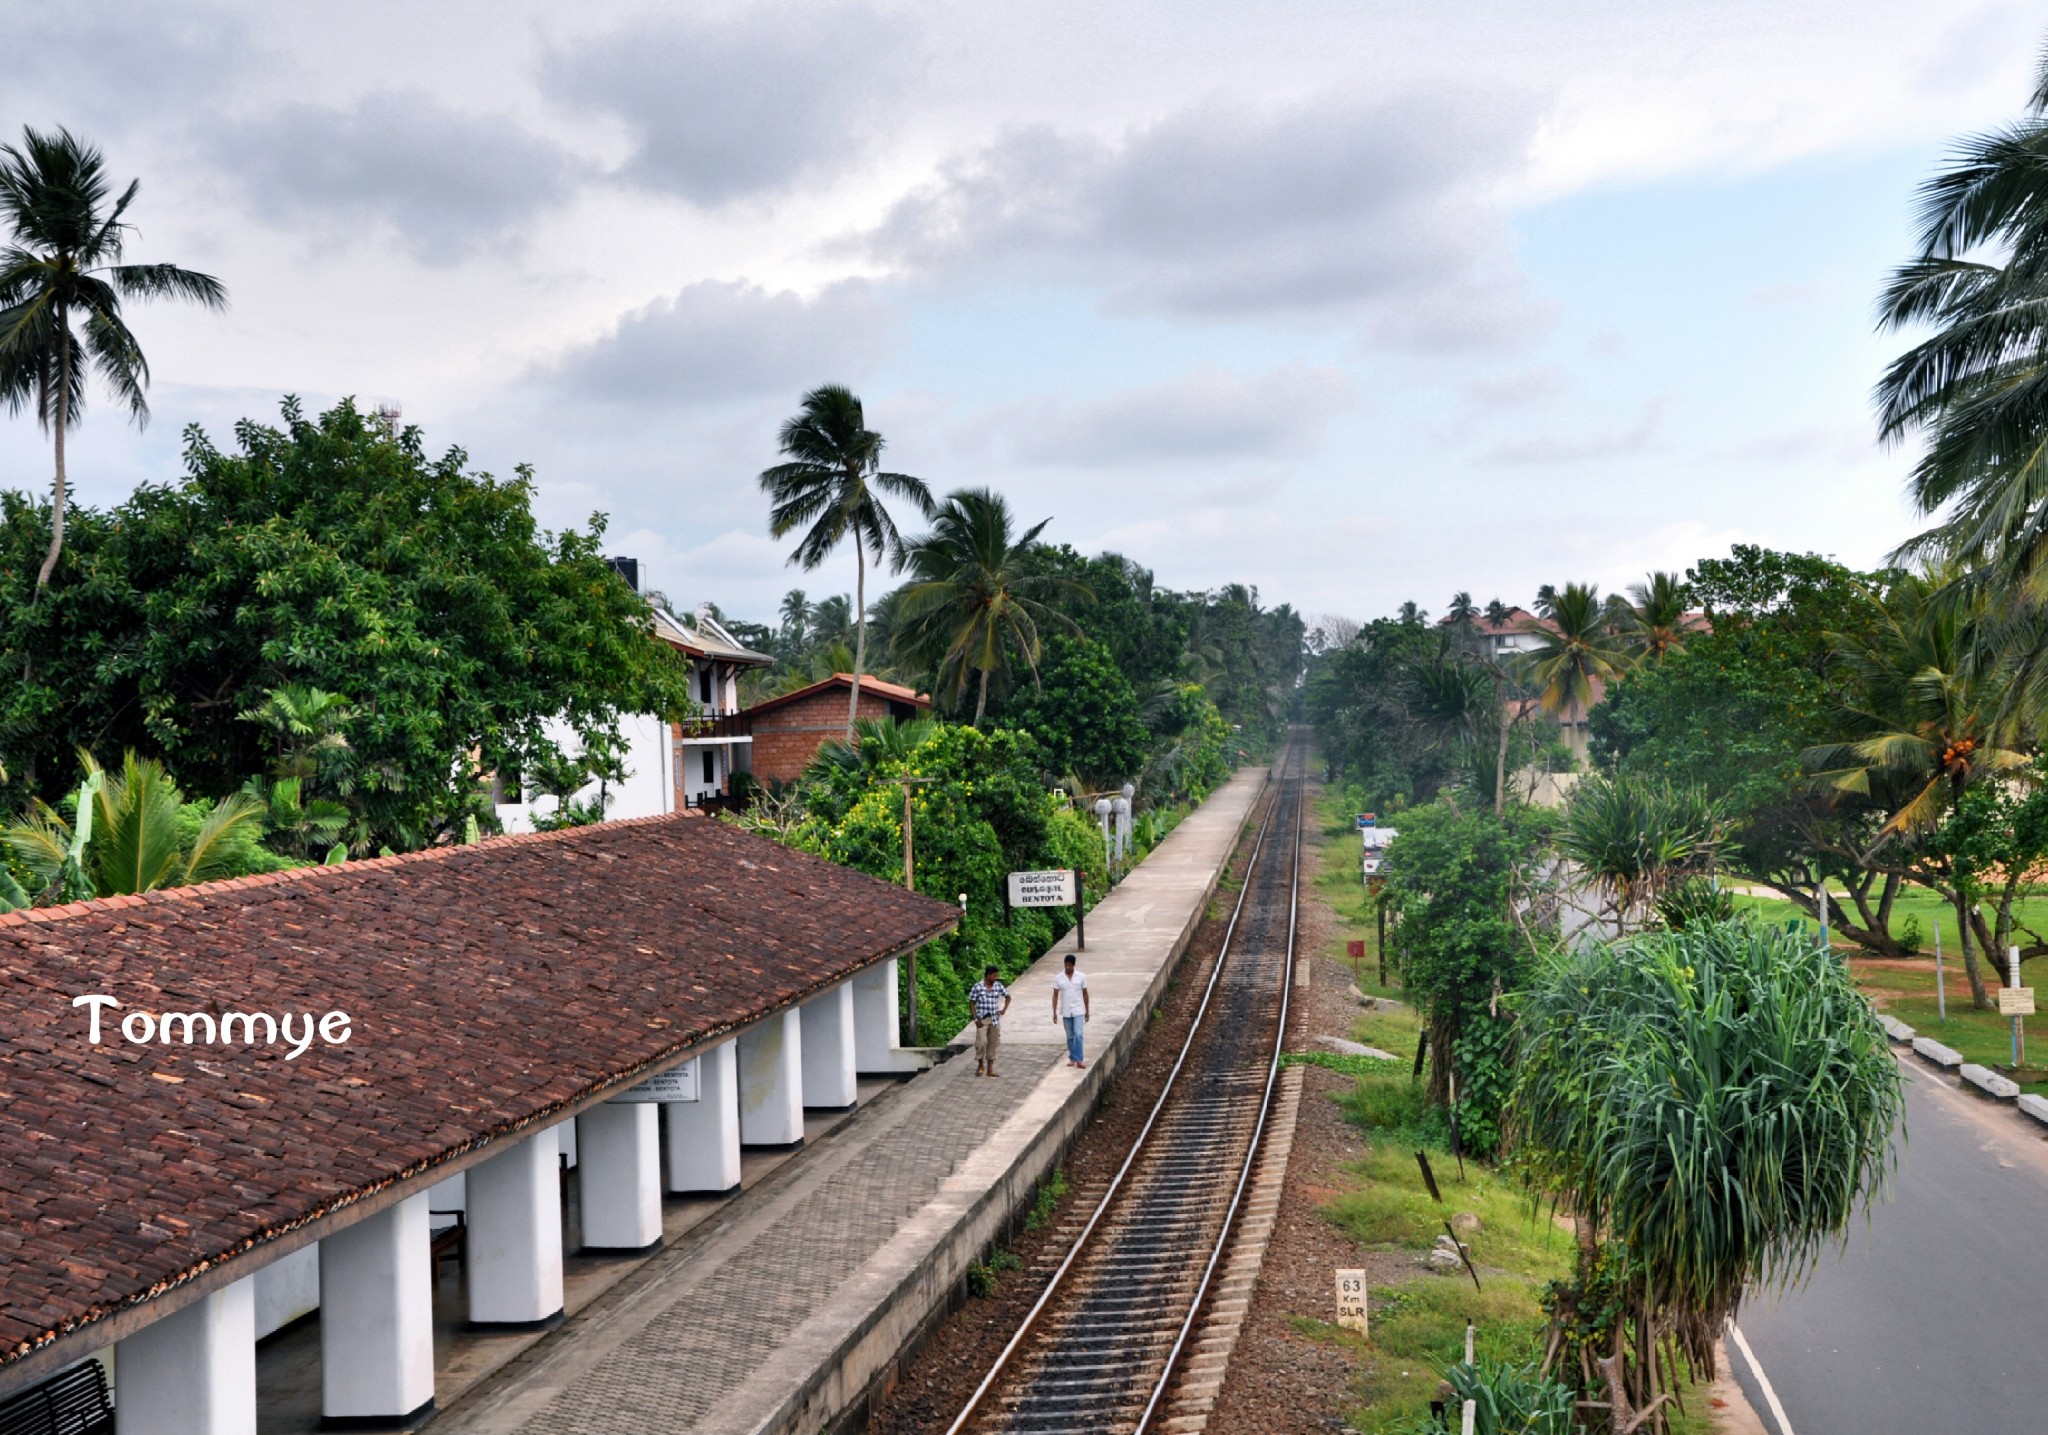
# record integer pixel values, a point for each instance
(620, 1176)
(377, 1317)
(827, 1023)
(772, 1082)
(878, 1025)
(515, 1234)
(704, 1135)
(193, 1372)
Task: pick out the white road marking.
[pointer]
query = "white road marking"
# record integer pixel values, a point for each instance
(1763, 1381)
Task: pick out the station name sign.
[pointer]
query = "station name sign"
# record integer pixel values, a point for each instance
(676, 1084)
(1056, 888)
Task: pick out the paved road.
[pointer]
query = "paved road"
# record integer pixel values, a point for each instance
(1929, 1320)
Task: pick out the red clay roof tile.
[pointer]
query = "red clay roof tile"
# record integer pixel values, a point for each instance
(488, 987)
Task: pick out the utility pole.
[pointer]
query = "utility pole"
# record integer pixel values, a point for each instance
(910, 885)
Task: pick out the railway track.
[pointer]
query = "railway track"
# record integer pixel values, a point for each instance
(1098, 1351)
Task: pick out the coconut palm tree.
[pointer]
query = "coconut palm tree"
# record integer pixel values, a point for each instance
(61, 289)
(126, 836)
(1931, 713)
(1651, 621)
(1575, 650)
(1978, 388)
(1498, 613)
(834, 482)
(973, 598)
(1411, 614)
(1462, 612)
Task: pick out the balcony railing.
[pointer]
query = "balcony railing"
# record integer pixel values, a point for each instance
(716, 725)
(713, 803)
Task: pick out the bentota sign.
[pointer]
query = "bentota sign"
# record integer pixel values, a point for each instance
(1056, 888)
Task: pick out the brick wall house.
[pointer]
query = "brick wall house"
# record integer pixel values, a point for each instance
(789, 730)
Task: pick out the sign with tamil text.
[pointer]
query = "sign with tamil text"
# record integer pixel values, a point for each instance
(2015, 1001)
(1056, 888)
(678, 1083)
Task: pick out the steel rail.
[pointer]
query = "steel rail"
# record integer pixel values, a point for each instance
(1055, 1285)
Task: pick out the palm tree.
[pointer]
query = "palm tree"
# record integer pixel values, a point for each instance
(1412, 615)
(973, 598)
(1976, 387)
(1652, 620)
(833, 482)
(126, 838)
(1931, 714)
(795, 614)
(1462, 611)
(1574, 650)
(62, 264)
(1497, 613)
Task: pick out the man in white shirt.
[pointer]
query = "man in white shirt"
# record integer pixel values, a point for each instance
(1070, 1007)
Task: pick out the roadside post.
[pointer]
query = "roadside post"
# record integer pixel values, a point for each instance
(1351, 1311)
(1055, 887)
(2016, 1002)
(1355, 950)
(910, 885)
(1940, 982)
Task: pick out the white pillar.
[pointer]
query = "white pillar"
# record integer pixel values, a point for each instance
(377, 1316)
(287, 1289)
(877, 1026)
(193, 1372)
(828, 1050)
(515, 1234)
(704, 1135)
(620, 1176)
(772, 1081)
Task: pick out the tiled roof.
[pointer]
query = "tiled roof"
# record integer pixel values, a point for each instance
(894, 692)
(488, 986)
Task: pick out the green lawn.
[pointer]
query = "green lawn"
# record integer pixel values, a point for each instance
(1906, 990)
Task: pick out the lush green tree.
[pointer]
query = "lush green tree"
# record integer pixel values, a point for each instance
(832, 487)
(973, 599)
(1083, 714)
(979, 812)
(1713, 1105)
(62, 285)
(1652, 619)
(331, 553)
(1469, 894)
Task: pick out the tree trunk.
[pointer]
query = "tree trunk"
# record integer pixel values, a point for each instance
(1978, 998)
(1500, 756)
(57, 490)
(981, 701)
(860, 631)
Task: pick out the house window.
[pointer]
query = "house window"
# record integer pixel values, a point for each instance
(704, 685)
(710, 767)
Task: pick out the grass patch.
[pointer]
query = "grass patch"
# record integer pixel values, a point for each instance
(1341, 1062)
(1926, 907)
(1906, 990)
(1051, 1191)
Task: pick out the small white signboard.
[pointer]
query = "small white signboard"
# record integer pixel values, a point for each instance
(1351, 1300)
(2015, 1001)
(1056, 888)
(676, 1084)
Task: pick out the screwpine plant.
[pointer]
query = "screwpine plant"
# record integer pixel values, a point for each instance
(1712, 1104)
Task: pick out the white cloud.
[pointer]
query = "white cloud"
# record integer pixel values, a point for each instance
(717, 340)
(1584, 448)
(1201, 417)
(724, 107)
(1380, 213)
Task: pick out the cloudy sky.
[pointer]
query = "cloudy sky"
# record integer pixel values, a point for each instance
(1357, 301)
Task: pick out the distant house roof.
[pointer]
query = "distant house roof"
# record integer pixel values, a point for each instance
(891, 692)
(490, 988)
(1517, 619)
(703, 636)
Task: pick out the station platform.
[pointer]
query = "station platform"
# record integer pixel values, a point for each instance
(778, 1309)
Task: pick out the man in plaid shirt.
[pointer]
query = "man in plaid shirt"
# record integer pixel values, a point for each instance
(990, 999)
